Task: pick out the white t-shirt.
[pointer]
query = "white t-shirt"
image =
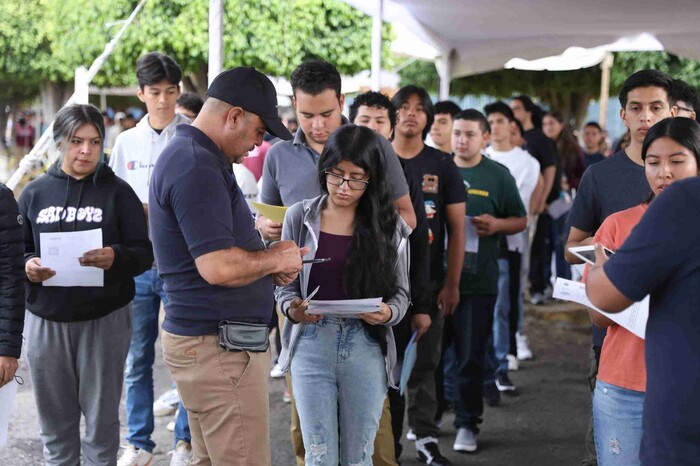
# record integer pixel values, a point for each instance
(526, 171)
(246, 181)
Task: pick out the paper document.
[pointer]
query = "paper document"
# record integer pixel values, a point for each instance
(7, 400)
(634, 318)
(472, 244)
(343, 307)
(409, 360)
(61, 251)
(559, 207)
(273, 212)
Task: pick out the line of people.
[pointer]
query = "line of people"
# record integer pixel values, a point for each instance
(444, 238)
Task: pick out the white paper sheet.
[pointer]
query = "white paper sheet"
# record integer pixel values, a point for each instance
(343, 308)
(472, 244)
(634, 318)
(7, 400)
(61, 251)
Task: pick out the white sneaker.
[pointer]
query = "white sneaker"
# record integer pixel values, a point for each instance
(410, 435)
(277, 372)
(513, 364)
(166, 404)
(133, 456)
(523, 348)
(182, 454)
(465, 440)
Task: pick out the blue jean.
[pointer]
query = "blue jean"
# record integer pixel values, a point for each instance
(473, 325)
(139, 362)
(617, 424)
(559, 236)
(339, 384)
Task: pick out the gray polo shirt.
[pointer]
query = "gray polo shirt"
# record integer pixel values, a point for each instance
(290, 172)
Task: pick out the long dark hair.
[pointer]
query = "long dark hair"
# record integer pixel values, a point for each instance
(567, 146)
(684, 131)
(535, 110)
(370, 270)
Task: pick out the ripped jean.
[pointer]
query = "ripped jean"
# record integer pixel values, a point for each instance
(339, 384)
(617, 424)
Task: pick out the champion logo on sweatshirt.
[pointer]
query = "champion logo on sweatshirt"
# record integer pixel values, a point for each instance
(136, 164)
(55, 214)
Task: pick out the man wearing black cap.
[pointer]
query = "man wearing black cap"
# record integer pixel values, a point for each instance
(218, 275)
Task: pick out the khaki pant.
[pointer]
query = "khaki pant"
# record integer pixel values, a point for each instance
(226, 397)
(384, 452)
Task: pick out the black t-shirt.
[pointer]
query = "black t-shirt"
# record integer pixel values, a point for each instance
(545, 151)
(662, 258)
(441, 183)
(615, 184)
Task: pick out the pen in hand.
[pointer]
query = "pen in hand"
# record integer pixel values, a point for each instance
(316, 261)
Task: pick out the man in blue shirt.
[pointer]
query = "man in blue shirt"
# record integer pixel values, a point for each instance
(662, 258)
(216, 268)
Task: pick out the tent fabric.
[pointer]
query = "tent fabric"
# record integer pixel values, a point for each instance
(480, 36)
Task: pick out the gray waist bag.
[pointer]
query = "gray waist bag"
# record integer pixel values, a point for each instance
(242, 336)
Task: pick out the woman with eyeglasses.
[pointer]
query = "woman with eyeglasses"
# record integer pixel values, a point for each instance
(341, 366)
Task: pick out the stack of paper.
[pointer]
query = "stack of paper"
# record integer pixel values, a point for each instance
(344, 308)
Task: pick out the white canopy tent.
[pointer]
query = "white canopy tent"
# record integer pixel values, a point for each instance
(474, 36)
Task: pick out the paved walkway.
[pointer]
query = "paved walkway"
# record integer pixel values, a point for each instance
(544, 425)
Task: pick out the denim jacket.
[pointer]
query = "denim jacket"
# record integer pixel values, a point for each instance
(302, 224)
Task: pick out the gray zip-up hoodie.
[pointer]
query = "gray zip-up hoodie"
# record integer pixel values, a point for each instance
(302, 224)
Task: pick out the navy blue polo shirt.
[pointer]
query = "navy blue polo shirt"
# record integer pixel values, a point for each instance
(196, 207)
(661, 257)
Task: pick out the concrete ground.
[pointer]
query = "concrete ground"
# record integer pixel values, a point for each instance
(544, 425)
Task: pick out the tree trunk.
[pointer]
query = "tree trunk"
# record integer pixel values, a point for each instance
(53, 96)
(197, 81)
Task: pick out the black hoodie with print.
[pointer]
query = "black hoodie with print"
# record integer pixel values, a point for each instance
(56, 202)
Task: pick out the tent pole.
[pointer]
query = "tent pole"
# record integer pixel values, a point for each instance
(377, 21)
(606, 66)
(216, 38)
(444, 65)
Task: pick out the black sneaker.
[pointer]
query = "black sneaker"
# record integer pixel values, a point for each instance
(491, 394)
(504, 384)
(429, 453)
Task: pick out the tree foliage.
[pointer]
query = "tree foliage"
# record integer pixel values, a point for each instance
(45, 40)
(567, 91)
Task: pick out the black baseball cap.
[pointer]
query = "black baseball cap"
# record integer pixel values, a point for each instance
(251, 90)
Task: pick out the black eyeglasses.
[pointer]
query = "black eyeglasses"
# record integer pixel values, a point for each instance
(337, 180)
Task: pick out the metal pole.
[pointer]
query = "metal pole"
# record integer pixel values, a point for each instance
(377, 46)
(443, 64)
(216, 38)
(44, 141)
(606, 66)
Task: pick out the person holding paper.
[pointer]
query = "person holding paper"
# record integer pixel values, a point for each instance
(661, 258)
(78, 336)
(12, 280)
(495, 209)
(375, 111)
(671, 152)
(341, 367)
